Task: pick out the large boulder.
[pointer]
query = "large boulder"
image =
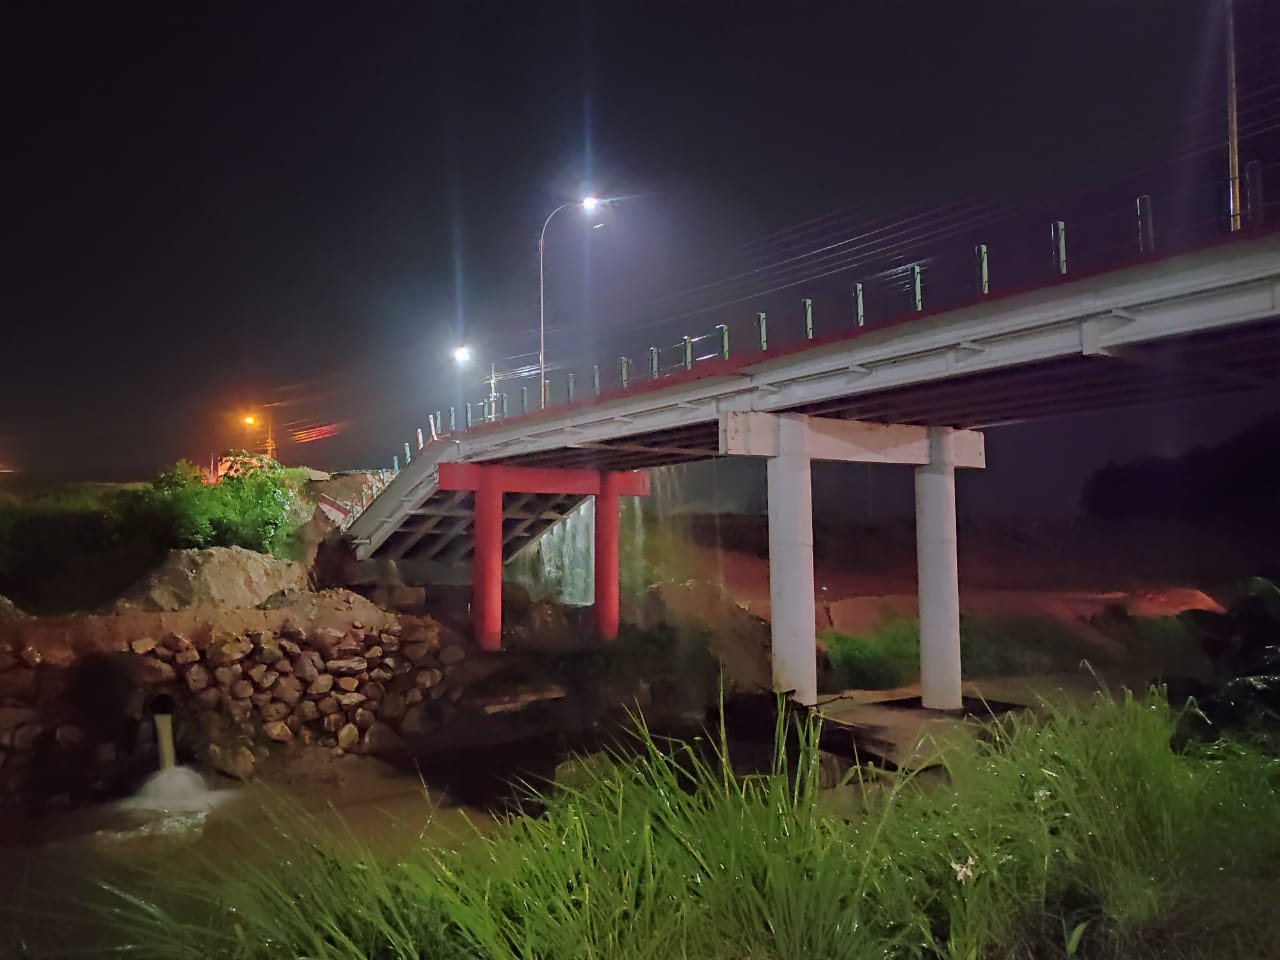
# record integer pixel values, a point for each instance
(8, 612)
(225, 577)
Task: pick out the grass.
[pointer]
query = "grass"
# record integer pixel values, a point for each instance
(889, 656)
(1074, 832)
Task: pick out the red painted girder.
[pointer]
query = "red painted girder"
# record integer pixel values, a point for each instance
(509, 479)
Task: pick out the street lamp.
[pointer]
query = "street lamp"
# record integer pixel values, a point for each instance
(251, 420)
(462, 355)
(589, 204)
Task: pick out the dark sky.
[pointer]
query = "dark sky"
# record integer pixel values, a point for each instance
(212, 208)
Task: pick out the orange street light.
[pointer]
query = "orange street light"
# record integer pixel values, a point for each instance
(250, 420)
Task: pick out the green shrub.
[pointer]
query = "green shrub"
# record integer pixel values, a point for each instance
(886, 658)
(79, 547)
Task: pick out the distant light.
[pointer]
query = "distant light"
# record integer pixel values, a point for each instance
(590, 203)
(250, 420)
(462, 355)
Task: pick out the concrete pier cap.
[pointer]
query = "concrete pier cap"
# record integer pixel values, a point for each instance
(790, 443)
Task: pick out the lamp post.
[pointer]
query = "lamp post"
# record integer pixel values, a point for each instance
(251, 420)
(588, 204)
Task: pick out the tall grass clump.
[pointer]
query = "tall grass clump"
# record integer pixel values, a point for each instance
(1071, 831)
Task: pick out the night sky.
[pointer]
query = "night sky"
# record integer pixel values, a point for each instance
(209, 209)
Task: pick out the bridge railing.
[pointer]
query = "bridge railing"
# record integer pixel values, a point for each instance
(867, 283)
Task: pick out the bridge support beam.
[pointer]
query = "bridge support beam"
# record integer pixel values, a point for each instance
(791, 442)
(938, 574)
(486, 563)
(607, 557)
(489, 482)
(791, 601)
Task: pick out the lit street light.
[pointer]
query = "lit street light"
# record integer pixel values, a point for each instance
(588, 204)
(462, 355)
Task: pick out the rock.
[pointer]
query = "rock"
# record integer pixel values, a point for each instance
(414, 696)
(239, 710)
(349, 699)
(320, 685)
(392, 706)
(164, 653)
(153, 671)
(31, 656)
(374, 690)
(333, 722)
(305, 670)
(419, 654)
(238, 762)
(373, 653)
(210, 698)
(294, 724)
(256, 672)
(26, 735)
(306, 711)
(266, 649)
(288, 647)
(439, 691)
(348, 683)
(178, 642)
(293, 632)
(454, 653)
(142, 645)
(381, 738)
(261, 698)
(183, 657)
(348, 736)
(426, 679)
(327, 706)
(224, 676)
(416, 722)
(11, 717)
(278, 731)
(327, 637)
(67, 736)
(197, 677)
(389, 642)
(268, 679)
(428, 633)
(228, 650)
(104, 753)
(273, 711)
(350, 665)
(288, 690)
(365, 718)
(10, 613)
(226, 577)
(283, 666)
(381, 674)
(7, 661)
(242, 689)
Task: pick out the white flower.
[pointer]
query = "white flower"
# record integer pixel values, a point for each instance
(964, 871)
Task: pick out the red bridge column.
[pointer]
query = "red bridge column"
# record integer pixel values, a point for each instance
(486, 562)
(606, 556)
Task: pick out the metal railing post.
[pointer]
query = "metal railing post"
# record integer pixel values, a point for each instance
(858, 315)
(1058, 233)
(808, 318)
(724, 340)
(1146, 228)
(468, 414)
(406, 453)
(395, 465)
(624, 371)
(688, 353)
(917, 287)
(453, 420)
(980, 264)
(571, 386)
(595, 379)
(419, 438)
(524, 399)
(762, 330)
(504, 405)
(653, 363)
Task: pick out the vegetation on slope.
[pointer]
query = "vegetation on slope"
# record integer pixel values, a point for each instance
(1073, 832)
(78, 547)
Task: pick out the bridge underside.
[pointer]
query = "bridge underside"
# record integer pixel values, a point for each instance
(1217, 363)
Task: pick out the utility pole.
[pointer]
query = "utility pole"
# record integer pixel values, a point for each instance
(1233, 132)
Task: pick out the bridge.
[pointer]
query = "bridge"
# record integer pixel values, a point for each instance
(1190, 323)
